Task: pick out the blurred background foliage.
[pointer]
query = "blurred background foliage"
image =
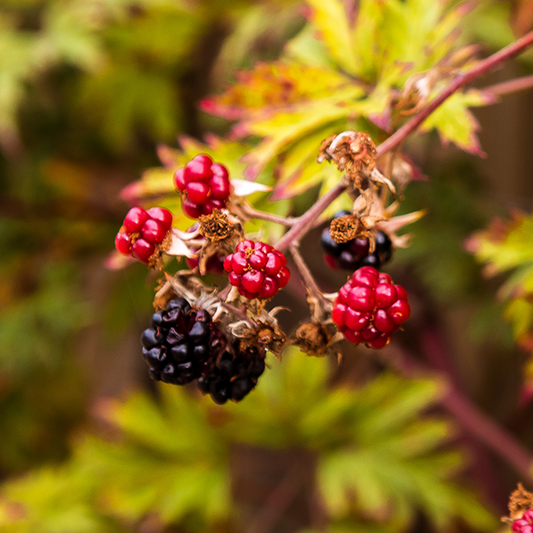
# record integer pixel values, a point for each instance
(89, 92)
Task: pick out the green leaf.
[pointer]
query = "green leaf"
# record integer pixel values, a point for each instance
(455, 123)
(329, 18)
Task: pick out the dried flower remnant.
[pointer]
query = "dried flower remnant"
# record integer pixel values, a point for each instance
(313, 339)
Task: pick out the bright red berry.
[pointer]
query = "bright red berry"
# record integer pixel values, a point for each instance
(256, 269)
(134, 220)
(143, 231)
(123, 243)
(204, 185)
(162, 215)
(369, 308)
(143, 250)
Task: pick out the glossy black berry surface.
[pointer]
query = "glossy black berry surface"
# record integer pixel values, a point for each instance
(179, 342)
(184, 345)
(356, 253)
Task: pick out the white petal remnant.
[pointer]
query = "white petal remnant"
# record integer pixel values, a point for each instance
(178, 246)
(245, 187)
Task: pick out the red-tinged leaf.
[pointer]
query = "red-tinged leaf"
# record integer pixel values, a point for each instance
(273, 86)
(283, 129)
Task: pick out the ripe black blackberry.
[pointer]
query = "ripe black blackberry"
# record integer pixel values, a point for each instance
(179, 342)
(355, 254)
(232, 376)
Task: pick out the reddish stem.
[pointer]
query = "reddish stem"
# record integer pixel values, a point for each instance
(461, 80)
(510, 87)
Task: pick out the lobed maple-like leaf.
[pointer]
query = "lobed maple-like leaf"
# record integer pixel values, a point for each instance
(340, 71)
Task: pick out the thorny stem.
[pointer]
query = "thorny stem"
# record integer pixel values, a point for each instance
(490, 63)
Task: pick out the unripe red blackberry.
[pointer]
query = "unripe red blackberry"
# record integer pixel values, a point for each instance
(257, 269)
(369, 308)
(204, 186)
(180, 341)
(143, 232)
(232, 377)
(524, 524)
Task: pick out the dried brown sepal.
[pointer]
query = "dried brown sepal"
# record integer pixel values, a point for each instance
(345, 228)
(264, 335)
(155, 261)
(216, 226)
(519, 502)
(323, 154)
(312, 339)
(164, 293)
(354, 153)
(222, 232)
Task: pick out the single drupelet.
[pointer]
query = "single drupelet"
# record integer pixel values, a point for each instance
(370, 308)
(143, 232)
(355, 253)
(257, 269)
(204, 186)
(184, 345)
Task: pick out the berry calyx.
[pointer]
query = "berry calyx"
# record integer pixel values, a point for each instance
(369, 308)
(143, 233)
(204, 186)
(257, 269)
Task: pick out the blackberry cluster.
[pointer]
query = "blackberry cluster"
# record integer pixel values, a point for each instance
(355, 254)
(179, 342)
(232, 377)
(184, 345)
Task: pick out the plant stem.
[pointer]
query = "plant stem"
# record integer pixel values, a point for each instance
(512, 86)
(269, 217)
(488, 432)
(302, 224)
(310, 284)
(490, 63)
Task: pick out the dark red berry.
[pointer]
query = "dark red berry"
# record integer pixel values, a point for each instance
(369, 308)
